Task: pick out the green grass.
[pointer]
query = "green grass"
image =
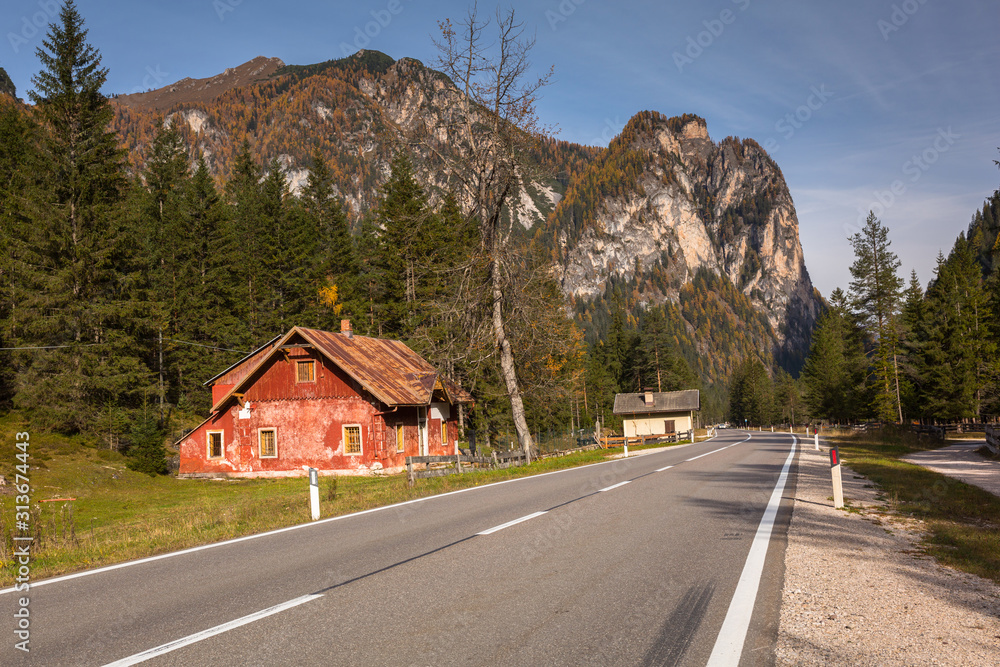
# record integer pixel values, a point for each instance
(120, 515)
(963, 521)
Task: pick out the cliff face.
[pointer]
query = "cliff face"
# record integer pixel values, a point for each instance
(660, 206)
(691, 205)
(6, 85)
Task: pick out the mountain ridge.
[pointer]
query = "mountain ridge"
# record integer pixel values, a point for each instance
(662, 203)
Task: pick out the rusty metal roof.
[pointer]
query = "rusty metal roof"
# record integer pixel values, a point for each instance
(253, 357)
(387, 369)
(391, 371)
(665, 401)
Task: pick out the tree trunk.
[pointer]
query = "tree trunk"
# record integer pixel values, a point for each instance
(507, 367)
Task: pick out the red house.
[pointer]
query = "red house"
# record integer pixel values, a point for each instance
(332, 401)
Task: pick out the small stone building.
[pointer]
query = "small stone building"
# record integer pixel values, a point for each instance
(658, 413)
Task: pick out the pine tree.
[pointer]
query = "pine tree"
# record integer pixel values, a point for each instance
(337, 265)
(405, 248)
(875, 297)
(751, 394)
(960, 350)
(913, 370)
(16, 153)
(75, 297)
(834, 373)
(146, 452)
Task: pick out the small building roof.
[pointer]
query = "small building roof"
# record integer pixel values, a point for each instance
(662, 401)
(388, 369)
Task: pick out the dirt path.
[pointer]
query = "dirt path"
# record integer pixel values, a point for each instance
(858, 591)
(962, 462)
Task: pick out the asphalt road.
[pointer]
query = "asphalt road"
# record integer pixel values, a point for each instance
(631, 562)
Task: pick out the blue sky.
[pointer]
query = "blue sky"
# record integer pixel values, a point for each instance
(892, 105)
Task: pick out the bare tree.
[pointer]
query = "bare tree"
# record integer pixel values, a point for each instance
(491, 128)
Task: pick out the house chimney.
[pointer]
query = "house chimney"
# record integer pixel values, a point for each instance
(648, 398)
(345, 328)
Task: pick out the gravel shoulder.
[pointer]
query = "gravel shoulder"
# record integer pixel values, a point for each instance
(859, 591)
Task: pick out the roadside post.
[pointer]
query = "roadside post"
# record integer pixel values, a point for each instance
(314, 492)
(816, 438)
(838, 486)
(626, 446)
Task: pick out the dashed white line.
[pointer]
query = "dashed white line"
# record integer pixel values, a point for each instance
(729, 645)
(664, 468)
(494, 529)
(695, 458)
(211, 632)
(614, 486)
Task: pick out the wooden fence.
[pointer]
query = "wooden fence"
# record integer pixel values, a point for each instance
(456, 465)
(620, 441)
(993, 438)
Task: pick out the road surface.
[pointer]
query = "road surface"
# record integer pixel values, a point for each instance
(650, 560)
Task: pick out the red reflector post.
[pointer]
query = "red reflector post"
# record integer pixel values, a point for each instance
(834, 457)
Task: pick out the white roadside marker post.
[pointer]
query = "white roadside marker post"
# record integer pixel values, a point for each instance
(314, 493)
(626, 446)
(838, 485)
(816, 438)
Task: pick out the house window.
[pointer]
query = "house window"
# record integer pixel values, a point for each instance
(444, 432)
(268, 440)
(400, 442)
(215, 444)
(305, 371)
(352, 439)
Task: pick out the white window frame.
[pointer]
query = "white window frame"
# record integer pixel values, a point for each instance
(361, 439)
(222, 444)
(260, 451)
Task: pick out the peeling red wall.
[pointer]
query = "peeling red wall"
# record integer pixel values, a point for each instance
(308, 418)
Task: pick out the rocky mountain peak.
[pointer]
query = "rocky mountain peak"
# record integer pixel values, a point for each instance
(6, 85)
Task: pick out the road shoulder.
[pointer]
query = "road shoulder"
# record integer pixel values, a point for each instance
(858, 591)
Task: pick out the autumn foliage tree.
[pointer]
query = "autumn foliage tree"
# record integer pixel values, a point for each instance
(492, 125)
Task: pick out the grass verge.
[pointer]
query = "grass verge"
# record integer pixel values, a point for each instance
(118, 515)
(963, 521)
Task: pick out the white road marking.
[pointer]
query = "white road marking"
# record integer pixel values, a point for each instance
(303, 526)
(729, 644)
(705, 454)
(664, 468)
(511, 523)
(211, 632)
(614, 486)
(718, 450)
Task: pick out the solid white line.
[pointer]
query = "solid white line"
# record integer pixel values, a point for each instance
(729, 644)
(211, 632)
(614, 486)
(235, 540)
(664, 468)
(494, 529)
